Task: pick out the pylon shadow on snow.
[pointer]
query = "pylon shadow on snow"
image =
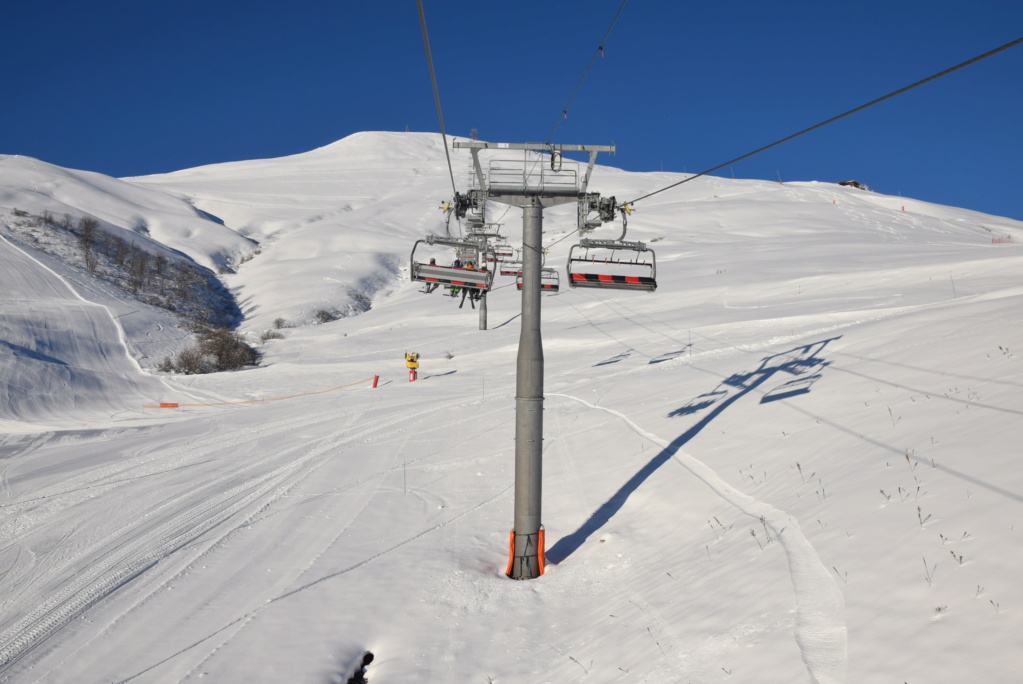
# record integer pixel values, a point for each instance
(507, 321)
(439, 375)
(18, 350)
(804, 362)
(669, 355)
(613, 359)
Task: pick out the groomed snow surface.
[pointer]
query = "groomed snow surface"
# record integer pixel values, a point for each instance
(797, 461)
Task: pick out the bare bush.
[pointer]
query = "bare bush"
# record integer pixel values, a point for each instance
(360, 302)
(325, 316)
(117, 249)
(228, 349)
(159, 266)
(271, 335)
(249, 257)
(191, 361)
(138, 268)
(88, 227)
(280, 323)
(89, 256)
(217, 350)
(184, 279)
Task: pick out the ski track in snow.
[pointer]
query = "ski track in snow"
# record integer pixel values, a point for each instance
(820, 631)
(363, 500)
(50, 273)
(141, 543)
(246, 618)
(133, 550)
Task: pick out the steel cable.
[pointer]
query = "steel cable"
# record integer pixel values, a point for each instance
(836, 118)
(436, 93)
(600, 50)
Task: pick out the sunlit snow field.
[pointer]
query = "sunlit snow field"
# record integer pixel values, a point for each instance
(796, 461)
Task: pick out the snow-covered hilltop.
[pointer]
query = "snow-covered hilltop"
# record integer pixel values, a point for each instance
(796, 461)
(34, 186)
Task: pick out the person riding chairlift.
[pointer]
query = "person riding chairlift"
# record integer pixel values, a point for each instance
(454, 289)
(472, 292)
(430, 287)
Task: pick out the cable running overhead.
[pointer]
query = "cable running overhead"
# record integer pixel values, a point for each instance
(436, 93)
(836, 118)
(599, 51)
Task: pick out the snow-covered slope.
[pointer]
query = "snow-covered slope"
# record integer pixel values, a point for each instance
(61, 354)
(345, 212)
(135, 213)
(795, 462)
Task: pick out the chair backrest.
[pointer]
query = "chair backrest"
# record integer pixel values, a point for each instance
(612, 265)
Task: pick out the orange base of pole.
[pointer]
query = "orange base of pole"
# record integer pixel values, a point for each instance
(541, 556)
(542, 552)
(511, 553)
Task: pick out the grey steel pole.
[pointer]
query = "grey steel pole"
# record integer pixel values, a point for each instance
(527, 552)
(483, 307)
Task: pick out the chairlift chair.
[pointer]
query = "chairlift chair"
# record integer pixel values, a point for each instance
(500, 253)
(550, 280)
(450, 276)
(503, 251)
(511, 268)
(612, 265)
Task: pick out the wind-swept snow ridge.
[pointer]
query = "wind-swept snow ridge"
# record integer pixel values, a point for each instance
(819, 628)
(156, 220)
(347, 212)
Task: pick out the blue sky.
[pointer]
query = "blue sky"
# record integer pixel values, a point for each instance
(131, 88)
